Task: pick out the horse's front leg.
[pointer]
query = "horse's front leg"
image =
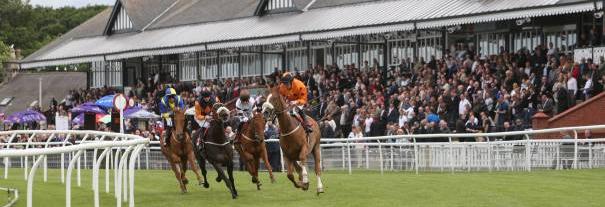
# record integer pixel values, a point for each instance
(317, 157)
(195, 168)
(202, 163)
(303, 164)
(177, 173)
(290, 172)
(267, 164)
(255, 169)
(222, 176)
(231, 178)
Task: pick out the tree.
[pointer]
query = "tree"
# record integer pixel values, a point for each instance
(4, 56)
(29, 28)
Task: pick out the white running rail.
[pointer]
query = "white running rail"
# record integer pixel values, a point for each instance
(14, 198)
(70, 146)
(387, 153)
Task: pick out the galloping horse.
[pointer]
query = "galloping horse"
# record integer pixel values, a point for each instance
(296, 144)
(217, 149)
(180, 151)
(250, 143)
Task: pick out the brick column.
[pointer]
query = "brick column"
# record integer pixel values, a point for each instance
(540, 121)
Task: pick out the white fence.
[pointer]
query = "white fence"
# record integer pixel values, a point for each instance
(120, 150)
(388, 153)
(11, 199)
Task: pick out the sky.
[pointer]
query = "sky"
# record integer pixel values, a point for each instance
(75, 3)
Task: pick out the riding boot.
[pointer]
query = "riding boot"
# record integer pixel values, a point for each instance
(305, 123)
(166, 138)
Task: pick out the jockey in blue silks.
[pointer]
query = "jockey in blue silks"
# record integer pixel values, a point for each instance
(169, 102)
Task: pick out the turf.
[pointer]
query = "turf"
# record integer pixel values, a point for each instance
(158, 188)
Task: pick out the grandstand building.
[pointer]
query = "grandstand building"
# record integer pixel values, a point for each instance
(207, 39)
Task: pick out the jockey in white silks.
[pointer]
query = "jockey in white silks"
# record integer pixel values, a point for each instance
(244, 107)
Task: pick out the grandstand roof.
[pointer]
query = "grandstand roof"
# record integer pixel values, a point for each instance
(24, 88)
(178, 26)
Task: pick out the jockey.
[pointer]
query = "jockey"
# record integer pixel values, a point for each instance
(295, 92)
(169, 102)
(244, 106)
(203, 106)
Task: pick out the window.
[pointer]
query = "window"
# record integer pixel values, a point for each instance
(122, 22)
(188, 67)
(108, 73)
(278, 4)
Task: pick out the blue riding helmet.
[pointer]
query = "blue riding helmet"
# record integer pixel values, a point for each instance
(170, 92)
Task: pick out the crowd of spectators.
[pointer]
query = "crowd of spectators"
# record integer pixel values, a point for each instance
(464, 92)
(461, 93)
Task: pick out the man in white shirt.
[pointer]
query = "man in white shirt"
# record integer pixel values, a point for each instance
(368, 123)
(587, 86)
(463, 105)
(572, 85)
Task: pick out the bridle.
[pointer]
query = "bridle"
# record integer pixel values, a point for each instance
(285, 110)
(218, 119)
(250, 126)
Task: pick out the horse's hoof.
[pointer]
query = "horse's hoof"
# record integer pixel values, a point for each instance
(218, 179)
(258, 186)
(185, 181)
(305, 186)
(233, 196)
(183, 191)
(206, 185)
(272, 180)
(320, 191)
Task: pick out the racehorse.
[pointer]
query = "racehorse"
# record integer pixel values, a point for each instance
(250, 143)
(217, 149)
(295, 143)
(180, 150)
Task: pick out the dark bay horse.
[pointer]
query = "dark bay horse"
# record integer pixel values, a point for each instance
(180, 151)
(250, 143)
(296, 144)
(217, 149)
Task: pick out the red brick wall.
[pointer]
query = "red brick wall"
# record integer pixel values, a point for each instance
(590, 112)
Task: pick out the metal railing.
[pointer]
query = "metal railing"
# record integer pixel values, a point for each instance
(111, 144)
(11, 199)
(387, 153)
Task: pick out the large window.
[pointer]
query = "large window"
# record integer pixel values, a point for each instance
(279, 4)
(429, 44)
(108, 73)
(564, 40)
(251, 64)
(229, 66)
(490, 43)
(346, 54)
(208, 65)
(528, 39)
(97, 71)
(296, 55)
(188, 67)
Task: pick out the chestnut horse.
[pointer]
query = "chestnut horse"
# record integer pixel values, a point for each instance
(250, 143)
(217, 149)
(296, 144)
(180, 151)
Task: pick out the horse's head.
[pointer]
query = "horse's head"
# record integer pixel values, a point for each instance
(268, 110)
(179, 122)
(276, 99)
(257, 123)
(221, 112)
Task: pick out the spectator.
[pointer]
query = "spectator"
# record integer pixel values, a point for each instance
(358, 149)
(273, 149)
